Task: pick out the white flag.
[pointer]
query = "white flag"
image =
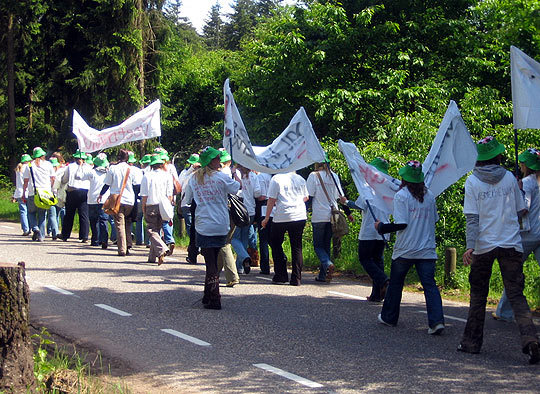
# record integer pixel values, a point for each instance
(525, 73)
(452, 155)
(373, 185)
(295, 148)
(143, 125)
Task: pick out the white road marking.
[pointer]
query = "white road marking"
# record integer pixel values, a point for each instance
(113, 310)
(59, 290)
(3, 226)
(288, 375)
(265, 278)
(185, 337)
(449, 317)
(348, 295)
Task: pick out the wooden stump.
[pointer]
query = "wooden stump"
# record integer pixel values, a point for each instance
(16, 362)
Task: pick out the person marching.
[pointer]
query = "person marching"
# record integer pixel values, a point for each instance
(156, 185)
(288, 192)
(41, 173)
(209, 188)
(371, 243)
(114, 180)
(185, 206)
(76, 198)
(492, 206)
(136, 212)
(264, 232)
(18, 195)
(415, 215)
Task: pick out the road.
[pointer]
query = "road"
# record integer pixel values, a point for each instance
(267, 338)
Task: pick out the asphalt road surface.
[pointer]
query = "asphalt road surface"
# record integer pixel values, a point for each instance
(267, 338)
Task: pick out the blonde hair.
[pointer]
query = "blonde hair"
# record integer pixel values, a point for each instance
(202, 172)
(19, 167)
(322, 167)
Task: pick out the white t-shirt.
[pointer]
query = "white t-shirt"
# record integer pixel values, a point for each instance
(417, 240)
(137, 174)
(321, 207)
(19, 182)
(42, 174)
(289, 190)
(497, 206)
(264, 181)
(250, 191)
(96, 178)
(75, 174)
(532, 202)
(156, 185)
(115, 177)
(212, 213)
(367, 228)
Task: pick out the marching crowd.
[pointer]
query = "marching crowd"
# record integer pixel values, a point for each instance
(502, 216)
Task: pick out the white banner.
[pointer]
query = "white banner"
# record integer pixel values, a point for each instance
(143, 125)
(525, 73)
(452, 154)
(373, 185)
(295, 148)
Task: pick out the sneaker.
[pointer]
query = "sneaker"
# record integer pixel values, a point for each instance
(247, 265)
(36, 235)
(26, 233)
(232, 283)
(330, 272)
(84, 240)
(171, 250)
(533, 351)
(104, 245)
(462, 348)
(380, 319)
(317, 279)
(500, 318)
(437, 330)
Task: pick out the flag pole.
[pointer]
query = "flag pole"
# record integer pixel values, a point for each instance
(516, 153)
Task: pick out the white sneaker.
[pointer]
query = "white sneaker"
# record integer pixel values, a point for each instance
(437, 330)
(379, 318)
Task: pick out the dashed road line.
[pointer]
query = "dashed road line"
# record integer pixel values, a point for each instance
(59, 290)
(348, 295)
(288, 375)
(185, 337)
(113, 310)
(448, 317)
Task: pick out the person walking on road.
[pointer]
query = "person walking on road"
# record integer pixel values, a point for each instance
(18, 195)
(209, 188)
(185, 206)
(492, 206)
(415, 215)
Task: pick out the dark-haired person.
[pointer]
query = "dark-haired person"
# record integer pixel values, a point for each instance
(493, 203)
(113, 180)
(18, 195)
(415, 215)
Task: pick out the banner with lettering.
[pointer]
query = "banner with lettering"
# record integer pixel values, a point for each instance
(525, 76)
(452, 154)
(373, 185)
(295, 148)
(143, 125)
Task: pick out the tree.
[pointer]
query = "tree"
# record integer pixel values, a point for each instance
(213, 28)
(241, 23)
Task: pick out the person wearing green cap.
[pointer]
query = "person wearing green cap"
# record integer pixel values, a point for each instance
(492, 207)
(370, 243)
(18, 195)
(209, 188)
(415, 215)
(185, 206)
(137, 213)
(529, 164)
(39, 174)
(76, 197)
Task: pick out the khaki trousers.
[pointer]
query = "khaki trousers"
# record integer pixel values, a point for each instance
(154, 223)
(122, 223)
(226, 259)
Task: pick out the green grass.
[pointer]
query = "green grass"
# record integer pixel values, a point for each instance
(8, 210)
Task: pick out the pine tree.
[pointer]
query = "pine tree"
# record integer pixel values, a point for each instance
(213, 28)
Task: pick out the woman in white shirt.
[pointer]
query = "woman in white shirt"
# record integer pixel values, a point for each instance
(209, 188)
(156, 188)
(18, 195)
(415, 215)
(288, 193)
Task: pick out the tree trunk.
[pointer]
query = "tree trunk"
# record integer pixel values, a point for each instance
(16, 362)
(12, 136)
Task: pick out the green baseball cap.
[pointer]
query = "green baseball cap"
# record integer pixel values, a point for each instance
(224, 156)
(38, 152)
(101, 160)
(79, 155)
(412, 172)
(488, 148)
(156, 159)
(531, 158)
(145, 159)
(25, 158)
(193, 159)
(207, 155)
(380, 164)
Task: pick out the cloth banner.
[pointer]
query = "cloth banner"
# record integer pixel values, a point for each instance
(143, 125)
(295, 148)
(373, 185)
(525, 74)
(452, 154)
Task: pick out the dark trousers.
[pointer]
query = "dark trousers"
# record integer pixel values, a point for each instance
(211, 281)
(192, 250)
(76, 201)
(295, 230)
(514, 281)
(370, 254)
(98, 224)
(264, 239)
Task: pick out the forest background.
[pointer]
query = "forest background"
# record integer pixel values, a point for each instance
(379, 73)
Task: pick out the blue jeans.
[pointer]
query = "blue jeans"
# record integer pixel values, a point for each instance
(98, 224)
(322, 238)
(370, 254)
(186, 214)
(139, 226)
(36, 217)
(264, 238)
(504, 309)
(239, 242)
(168, 237)
(113, 228)
(252, 236)
(23, 214)
(426, 272)
(52, 222)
